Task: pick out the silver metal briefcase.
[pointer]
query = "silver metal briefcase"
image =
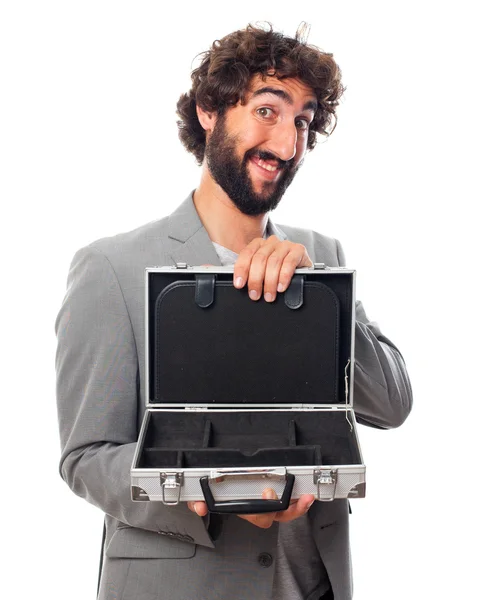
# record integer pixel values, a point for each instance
(245, 395)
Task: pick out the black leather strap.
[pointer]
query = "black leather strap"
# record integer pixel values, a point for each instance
(294, 294)
(204, 291)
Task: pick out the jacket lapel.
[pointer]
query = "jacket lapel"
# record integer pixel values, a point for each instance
(275, 230)
(195, 246)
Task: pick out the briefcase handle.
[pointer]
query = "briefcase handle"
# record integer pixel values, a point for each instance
(245, 506)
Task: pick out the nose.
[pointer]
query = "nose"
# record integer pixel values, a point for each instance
(283, 141)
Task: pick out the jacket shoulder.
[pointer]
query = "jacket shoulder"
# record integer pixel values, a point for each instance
(130, 251)
(320, 247)
(134, 239)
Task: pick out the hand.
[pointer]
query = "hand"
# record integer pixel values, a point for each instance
(268, 266)
(296, 509)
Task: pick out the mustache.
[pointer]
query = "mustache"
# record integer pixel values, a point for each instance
(264, 155)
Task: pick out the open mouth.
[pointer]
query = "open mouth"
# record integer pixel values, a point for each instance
(269, 169)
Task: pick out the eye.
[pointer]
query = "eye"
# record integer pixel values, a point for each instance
(265, 112)
(302, 124)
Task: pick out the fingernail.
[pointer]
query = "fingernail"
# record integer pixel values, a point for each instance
(280, 287)
(268, 297)
(238, 282)
(271, 495)
(310, 504)
(253, 295)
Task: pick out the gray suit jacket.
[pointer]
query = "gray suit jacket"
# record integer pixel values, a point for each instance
(153, 551)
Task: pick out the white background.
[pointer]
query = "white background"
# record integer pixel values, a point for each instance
(89, 148)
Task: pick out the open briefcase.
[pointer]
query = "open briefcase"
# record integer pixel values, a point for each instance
(243, 395)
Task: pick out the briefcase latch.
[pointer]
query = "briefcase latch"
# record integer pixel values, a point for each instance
(171, 488)
(325, 477)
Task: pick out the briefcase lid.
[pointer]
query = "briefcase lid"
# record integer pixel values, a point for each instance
(209, 345)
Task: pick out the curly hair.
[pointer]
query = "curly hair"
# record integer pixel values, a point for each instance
(222, 78)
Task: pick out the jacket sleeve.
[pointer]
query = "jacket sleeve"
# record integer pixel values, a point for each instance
(97, 396)
(382, 389)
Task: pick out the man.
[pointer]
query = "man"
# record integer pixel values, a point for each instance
(257, 101)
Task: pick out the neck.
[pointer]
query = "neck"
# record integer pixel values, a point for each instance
(225, 223)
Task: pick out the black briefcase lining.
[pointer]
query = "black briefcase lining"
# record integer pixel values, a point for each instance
(221, 458)
(237, 351)
(248, 439)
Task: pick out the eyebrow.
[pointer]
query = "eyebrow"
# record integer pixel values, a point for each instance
(310, 105)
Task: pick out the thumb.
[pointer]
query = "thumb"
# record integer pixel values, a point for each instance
(306, 261)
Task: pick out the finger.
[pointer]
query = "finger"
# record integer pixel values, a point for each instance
(297, 257)
(258, 267)
(272, 271)
(306, 260)
(296, 510)
(264, 520)
(243, 262)
(200, 508)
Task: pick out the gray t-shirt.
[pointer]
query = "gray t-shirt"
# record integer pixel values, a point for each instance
(299, 570)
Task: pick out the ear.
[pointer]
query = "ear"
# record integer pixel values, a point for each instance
(207, 119)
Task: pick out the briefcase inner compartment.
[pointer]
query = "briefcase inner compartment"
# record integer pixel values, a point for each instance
(264, 370)
(213, 439)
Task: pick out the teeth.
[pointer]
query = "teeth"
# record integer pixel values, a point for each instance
(266, 165)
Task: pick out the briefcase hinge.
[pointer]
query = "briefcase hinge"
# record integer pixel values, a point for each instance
(171, 481)
(196, 408)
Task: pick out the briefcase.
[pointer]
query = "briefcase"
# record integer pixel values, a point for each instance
(246, 395)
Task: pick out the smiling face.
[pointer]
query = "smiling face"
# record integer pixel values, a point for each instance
(255, 149)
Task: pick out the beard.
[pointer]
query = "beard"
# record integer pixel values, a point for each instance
(231, 173)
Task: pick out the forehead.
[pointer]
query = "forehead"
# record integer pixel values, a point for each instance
(294, 88)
